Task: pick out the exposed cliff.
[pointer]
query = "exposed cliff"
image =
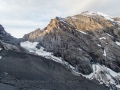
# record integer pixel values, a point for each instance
(82, 40)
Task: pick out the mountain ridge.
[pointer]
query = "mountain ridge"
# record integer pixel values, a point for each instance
(83, 41)
(58, 27)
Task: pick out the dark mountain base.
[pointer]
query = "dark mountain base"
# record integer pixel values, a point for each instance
(21, 71)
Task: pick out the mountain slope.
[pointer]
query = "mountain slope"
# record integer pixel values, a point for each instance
(63, 38)
(27, 72)
(82, 40)
(23, 70)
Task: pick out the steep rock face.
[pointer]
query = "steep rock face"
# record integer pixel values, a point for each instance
(6, 37)
(82, 40)
(22, 71)
(59, 38)
(33, 35)
(8, 42)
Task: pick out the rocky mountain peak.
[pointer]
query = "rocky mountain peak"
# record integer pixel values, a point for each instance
(70, 37)
(53, 23)
(87, 21)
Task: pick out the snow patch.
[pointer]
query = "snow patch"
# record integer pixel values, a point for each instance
(5, 73)
(90, 13)
(31, 47)
(99, 45)
(105, 16)
(104, 53)
(80, 49)
(65, 22)
(118, 43)
(102, 74)
(74, 17)
(102, 38)
(118, 86)
(109, 35)
(0, 57)
(0, 49)
(81, 31)
(60, 19)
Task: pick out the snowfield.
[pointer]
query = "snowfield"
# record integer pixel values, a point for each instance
(31, 47)
(102, 74)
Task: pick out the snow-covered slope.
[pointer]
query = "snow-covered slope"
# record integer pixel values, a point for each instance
(31, 47)
(105, 16)
(105, 76)
(100, 72)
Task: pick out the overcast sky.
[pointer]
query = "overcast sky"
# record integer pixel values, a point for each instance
(22, 16)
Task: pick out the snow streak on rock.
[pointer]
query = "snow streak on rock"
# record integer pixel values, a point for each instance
(62, 20)
(0, 57)
(109, 35)
(118, 43)
(81, 31)
(104, 75)
(105, 16)
(104, 53)
(99, 45)
(102, 38)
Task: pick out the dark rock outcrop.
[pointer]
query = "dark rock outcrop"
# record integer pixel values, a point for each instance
(8, 42)
(6, 37)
